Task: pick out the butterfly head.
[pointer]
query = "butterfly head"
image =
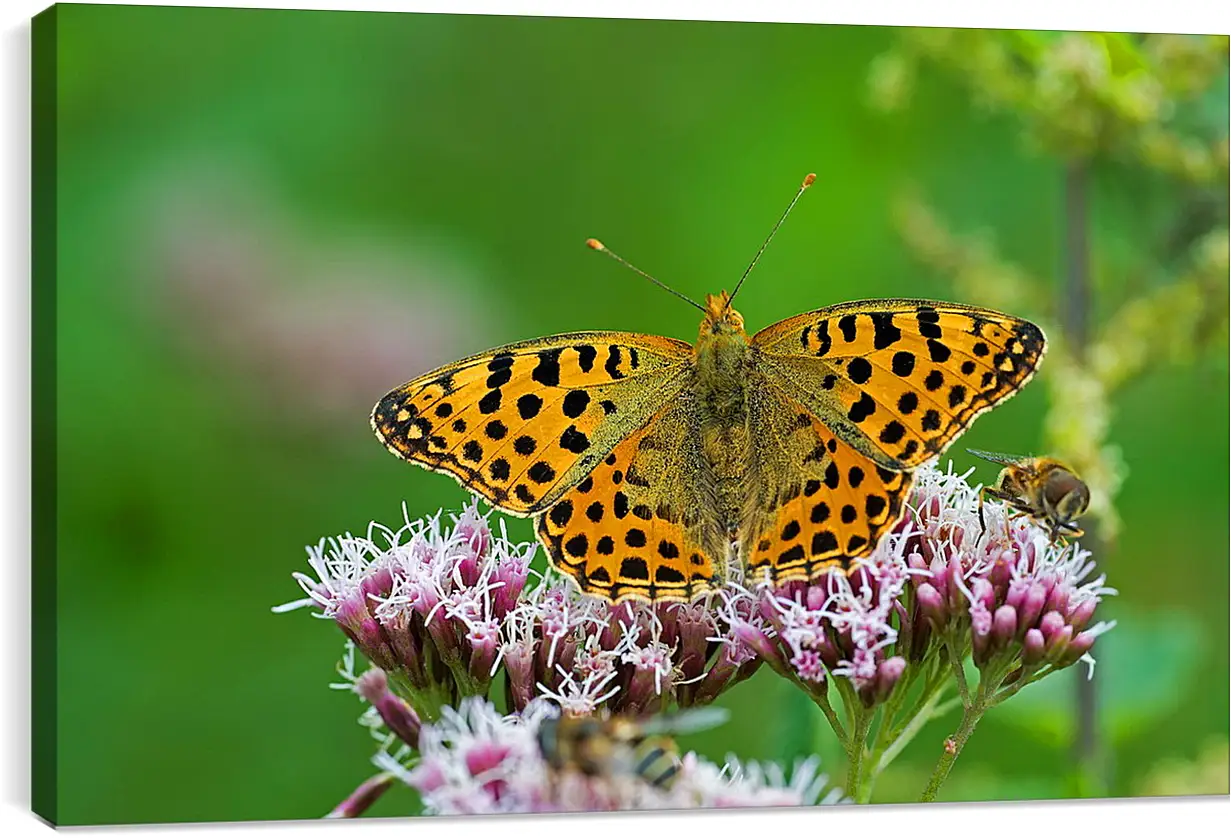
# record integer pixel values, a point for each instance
(721, 321)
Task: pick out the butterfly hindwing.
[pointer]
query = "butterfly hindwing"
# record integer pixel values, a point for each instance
(522, 424)
(641, 524)
(909, 376)
(819, 502)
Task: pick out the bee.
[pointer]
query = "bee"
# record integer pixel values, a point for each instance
(1044, 489)
(622, 746)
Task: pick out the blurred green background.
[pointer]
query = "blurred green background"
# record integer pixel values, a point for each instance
(266, 219)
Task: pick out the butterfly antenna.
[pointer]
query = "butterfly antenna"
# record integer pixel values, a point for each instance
(808, 181)
(595, 244)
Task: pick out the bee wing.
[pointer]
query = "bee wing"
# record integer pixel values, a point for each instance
(1002, 459)
(686, 721)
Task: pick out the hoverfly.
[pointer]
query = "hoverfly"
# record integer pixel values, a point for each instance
(1044, 489)
(622, 746)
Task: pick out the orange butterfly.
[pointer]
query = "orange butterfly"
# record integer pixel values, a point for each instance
(647, 460)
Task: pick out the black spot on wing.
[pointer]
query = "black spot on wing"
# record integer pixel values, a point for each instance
(548, 370)
(885, 333)
(585, 357)
(613, 362)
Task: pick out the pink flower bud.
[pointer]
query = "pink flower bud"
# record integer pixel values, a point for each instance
(1032, 606)
(999, 575)
(467, 570)
(1033, 646)
(887, 675)
(815, 598)
(1080, 645)
(376, 586)
(932, 605)
(368, 792)
(1004, 625)
(353, 617)
(1058, 643)
(953, 576)
(1057, 599)
(758, 642)
(1081, 613)
(398, 716)
(474, 532)
(1016, 594)
(484, 640)
(980, 633)
(1050, 625)
(983, 593)
(519, 669)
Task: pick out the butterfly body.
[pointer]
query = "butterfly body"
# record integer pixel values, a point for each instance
(650, 463)
(720, 379)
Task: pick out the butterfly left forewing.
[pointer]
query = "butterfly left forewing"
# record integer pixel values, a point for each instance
(522, 424)
(910, 375)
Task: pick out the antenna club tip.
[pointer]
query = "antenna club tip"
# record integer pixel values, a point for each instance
(809, 180)
(595, 244)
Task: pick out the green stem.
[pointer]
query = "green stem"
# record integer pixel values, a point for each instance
(1014, 688)
(987, 695)
(959, 674)
(858, 790)
(821, 700)
(953, 747)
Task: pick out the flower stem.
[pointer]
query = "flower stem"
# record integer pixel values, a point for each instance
(856, 786)
(821, 700)
(953, 747)
(959, 674)
(986, 696)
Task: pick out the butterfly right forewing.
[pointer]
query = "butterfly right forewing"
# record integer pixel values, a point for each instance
(522, 424)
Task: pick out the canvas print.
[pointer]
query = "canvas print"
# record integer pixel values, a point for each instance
(462, 414)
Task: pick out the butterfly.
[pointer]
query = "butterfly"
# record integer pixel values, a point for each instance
(647, 461)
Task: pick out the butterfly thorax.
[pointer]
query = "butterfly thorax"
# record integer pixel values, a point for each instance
(719, 386)
(721, 363)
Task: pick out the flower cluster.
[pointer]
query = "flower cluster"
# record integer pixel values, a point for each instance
(996, 585)
(955, 576)
(476, 761)
(426, 604)
(444, 610)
